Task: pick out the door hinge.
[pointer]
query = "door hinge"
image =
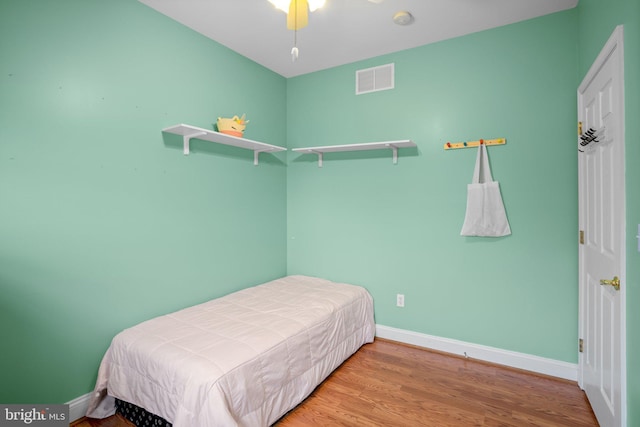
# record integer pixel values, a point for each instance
(581, 345)
(579, 128)
(582, 237)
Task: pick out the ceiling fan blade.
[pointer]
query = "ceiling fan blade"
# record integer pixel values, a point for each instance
(298, 16)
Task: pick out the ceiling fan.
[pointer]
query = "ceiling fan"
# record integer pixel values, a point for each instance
(298, 16)
(297, 11)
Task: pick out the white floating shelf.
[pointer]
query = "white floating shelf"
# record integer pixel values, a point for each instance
(187, 132)
(392, 145)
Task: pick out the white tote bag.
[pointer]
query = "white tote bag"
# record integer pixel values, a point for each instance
(485, 211)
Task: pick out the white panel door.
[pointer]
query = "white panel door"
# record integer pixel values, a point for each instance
(602, 218)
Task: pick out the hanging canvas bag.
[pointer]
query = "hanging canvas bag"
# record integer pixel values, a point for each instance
(485, 214)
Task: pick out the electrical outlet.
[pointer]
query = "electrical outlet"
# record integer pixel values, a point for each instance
(400, 300)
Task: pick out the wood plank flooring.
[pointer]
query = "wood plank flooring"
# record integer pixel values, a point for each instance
(392, 384)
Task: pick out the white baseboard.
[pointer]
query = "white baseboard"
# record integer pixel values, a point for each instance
(541, 365)
(78, 407)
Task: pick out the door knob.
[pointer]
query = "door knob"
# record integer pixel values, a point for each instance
(615, 282)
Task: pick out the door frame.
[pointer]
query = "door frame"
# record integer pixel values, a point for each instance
(615, 42)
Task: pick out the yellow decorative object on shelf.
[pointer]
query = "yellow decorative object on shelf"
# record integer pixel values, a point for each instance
(234, 126)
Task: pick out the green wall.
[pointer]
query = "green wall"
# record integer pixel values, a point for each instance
(103, 221)
(396, 228)
(597, 20)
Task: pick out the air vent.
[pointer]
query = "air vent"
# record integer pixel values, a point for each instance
(374, 79)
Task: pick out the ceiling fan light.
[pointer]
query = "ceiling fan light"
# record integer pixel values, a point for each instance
(298, 16)
(315, 4)
(283, 5)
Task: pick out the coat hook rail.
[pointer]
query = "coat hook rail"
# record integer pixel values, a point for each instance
(469, 144)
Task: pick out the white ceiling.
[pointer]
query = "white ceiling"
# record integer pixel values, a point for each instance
(344, 31)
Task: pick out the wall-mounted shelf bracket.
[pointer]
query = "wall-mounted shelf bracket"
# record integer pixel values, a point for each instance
(393, 145)
(256, 153)
(186, 140)
(395, 153)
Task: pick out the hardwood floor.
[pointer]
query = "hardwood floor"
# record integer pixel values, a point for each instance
(113, 421)
(391, 384)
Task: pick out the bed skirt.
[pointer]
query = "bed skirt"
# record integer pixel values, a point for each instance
(139, 416)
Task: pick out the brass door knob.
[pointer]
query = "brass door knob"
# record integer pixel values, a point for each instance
(615, 282)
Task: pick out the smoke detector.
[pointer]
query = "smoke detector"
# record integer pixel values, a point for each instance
(403, 18)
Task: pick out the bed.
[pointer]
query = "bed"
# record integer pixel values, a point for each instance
(245, 359)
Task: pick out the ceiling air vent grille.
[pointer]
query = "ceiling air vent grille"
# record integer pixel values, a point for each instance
(375, 79)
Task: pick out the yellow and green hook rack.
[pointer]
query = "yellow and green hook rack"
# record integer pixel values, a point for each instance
(469, 144)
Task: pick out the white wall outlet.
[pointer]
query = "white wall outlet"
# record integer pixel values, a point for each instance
(400, 300)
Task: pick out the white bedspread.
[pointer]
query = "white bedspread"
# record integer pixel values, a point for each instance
(241, 360)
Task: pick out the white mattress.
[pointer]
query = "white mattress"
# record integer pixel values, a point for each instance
(241, 360)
